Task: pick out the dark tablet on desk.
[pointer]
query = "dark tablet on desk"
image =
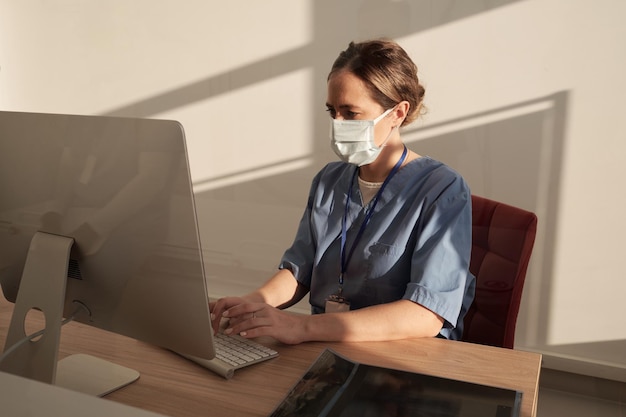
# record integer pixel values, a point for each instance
(335, 386)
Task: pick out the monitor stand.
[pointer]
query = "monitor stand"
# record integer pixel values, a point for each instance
(42, 288)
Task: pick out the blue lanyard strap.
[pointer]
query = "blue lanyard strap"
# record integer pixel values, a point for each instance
(368, 215)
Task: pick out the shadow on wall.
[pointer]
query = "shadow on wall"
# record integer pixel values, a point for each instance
(510, 154)
(513, 155)
(334, 25)
(331, 32)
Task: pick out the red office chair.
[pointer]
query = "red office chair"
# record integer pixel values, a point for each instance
(502, 242)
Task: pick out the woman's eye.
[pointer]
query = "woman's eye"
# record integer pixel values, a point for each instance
(345, 114)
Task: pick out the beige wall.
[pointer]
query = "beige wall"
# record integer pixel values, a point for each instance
(525, 99)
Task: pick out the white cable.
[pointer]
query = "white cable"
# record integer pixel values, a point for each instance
(27, 339)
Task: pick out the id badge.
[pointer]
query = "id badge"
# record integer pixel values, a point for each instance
(336, 304)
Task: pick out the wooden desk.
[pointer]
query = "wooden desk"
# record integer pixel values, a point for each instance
(173, 386)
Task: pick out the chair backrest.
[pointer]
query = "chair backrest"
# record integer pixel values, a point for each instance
(502, 241)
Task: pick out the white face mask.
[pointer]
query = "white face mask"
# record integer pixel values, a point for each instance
(353, 140)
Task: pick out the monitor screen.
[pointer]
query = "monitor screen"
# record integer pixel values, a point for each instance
(120, 188)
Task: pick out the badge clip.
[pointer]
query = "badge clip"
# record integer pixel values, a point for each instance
(336, 303)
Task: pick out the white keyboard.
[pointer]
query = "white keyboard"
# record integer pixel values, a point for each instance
(238, 351)
(232, 353)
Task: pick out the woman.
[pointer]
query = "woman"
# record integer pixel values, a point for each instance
(384, 244)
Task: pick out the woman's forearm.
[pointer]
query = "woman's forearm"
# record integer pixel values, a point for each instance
(281, 290)
(401, 319)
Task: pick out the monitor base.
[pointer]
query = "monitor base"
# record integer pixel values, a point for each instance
(91, 375)
(42, 288)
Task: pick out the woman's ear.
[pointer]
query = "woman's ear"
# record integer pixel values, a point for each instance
(402, 109)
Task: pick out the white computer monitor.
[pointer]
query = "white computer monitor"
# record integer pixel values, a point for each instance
(97, 218)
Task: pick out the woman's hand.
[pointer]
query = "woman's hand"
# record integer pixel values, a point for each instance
(253, 319)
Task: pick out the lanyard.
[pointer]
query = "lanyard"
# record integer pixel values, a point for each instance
(344, 230)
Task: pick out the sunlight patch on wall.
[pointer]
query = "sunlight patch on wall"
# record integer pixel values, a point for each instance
(264, 127)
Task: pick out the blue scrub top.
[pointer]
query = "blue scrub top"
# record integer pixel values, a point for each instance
(416, 246)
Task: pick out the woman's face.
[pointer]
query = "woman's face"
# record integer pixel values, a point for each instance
(349, 99)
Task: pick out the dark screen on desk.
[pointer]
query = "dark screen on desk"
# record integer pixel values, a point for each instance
(337, 387)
